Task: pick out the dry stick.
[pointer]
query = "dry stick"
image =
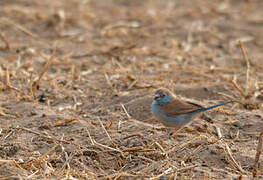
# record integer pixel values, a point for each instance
(36, 82)
(162, 149)
(108, 80)
(186, 158)
(137, 149)
(127, 137)
(259, 151)
(105, 131)
(21, 28)
(219, 134)
(47, 137)
(6, 161)
(107, 147)
(227, 149)
(143, 169)
(132, 84)
(238, 88)
(121, 174)
(91, 140)
(8, 84)
(147, 159)
(49, 151)
(248, 66)
(65, 163)
(167, 171)
(126, 112)
(33, 174)
(183, 146)
(230, 97)
(7, 45)
(232, 158)
(187, 168)
(146, 124)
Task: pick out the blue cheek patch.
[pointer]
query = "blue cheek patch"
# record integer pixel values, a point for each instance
(165, 100)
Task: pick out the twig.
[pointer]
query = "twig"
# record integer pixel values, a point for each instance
(187, 168)
(232, 158)
(125, 110)
(218, 132)
(32, 175)
(91, 140)
(238, 88)
(146, 124)
(7, 45)
(123, 174)
(167, 171)
(105, 131)
(108, 80)
(161, 148)
(183, 146)
(47, 137)
(107, 147)
(6, 161)
(230, 97)
(36, 82)
(259, 151)
(20, 27)
(186, 158)
(248, 66)
(8, 84)
(120, 172)
(120, 121)
(137, 149)
(9, 134)
(48, 152)
(147, 159)
(64, 122)
(127, 137)
(65, 163)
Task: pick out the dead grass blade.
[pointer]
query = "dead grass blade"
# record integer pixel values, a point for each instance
(240, 90)
(64, 122)
(229, 153)
(3, 38)
(105, 131)
(8, 83)
(68, 159)
(47, 137)
(248, 67)
(36, 82)
(20, 27)
(259, 151)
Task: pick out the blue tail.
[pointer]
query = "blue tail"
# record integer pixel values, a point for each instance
(212, 107)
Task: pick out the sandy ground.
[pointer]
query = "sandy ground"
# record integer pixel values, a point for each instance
(77, 81)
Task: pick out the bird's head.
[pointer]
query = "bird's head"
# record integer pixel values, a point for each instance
(163, 96)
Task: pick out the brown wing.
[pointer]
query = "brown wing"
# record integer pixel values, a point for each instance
(176, 107)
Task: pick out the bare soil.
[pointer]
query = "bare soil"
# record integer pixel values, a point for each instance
(89, 117)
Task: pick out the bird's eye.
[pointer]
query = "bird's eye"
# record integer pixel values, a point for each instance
(162, 95)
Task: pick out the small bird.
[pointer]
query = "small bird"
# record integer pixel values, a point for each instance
(174, 112)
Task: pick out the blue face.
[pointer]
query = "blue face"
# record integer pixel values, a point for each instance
(162, 98)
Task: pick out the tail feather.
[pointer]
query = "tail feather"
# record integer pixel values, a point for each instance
(212, 107)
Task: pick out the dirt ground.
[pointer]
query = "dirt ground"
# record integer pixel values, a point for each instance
(77, 81)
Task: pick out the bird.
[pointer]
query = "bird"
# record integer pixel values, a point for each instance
(174, 112)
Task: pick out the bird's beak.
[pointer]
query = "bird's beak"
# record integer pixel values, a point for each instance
(157, 96)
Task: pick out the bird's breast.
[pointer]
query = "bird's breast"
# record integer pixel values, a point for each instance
(156, 110)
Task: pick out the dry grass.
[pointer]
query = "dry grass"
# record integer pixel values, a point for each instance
(77, 80)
